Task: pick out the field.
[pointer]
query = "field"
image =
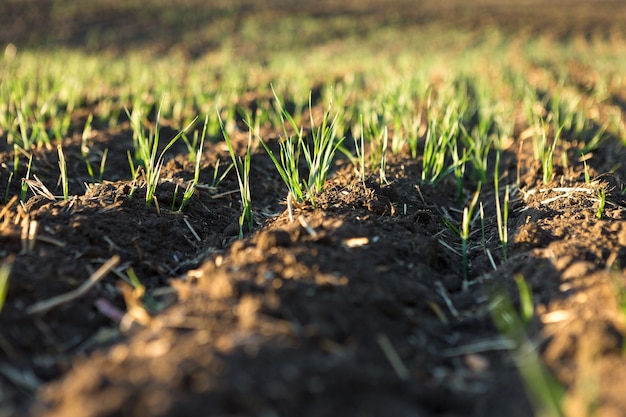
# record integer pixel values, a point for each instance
(298, 208)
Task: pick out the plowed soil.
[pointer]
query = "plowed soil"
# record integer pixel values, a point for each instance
(354, 307)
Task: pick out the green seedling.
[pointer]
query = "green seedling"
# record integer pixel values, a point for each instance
(527, 306)
(192, 145)
(290, 151)
(5, 273)
(412, 127)
(483, 238)
(544, 152)
(586, 168)
(287, 167)
(458, 166)
(139, 291)
(84, 147)
(598, 137)
(146, 152)
(434, 156)
(175, 196)
(464, 233)
(375, 132)
(601, 203)
(359, 146)
(441, 136)
(134, 281)
(63, 176)
(103, 162)
(25, 142)
(7, 189)
(319, 159)
(318, 156)
(191, 187)
(544, 392)
(468, 212)
(242, 168)
(476, 149)
(547, 162)
(502, 210)
(61, 123)
(16, 159)
(133, 174)
(217, 178)
(383, 159)
(24, 189)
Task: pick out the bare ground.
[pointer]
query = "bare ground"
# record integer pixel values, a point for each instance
(356, 307)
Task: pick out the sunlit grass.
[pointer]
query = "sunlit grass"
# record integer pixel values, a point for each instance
(449, 99)
(471, 92)
(544, 392)
(242, 169)
(318, 153)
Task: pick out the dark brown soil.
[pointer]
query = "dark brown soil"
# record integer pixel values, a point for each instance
(355, 308)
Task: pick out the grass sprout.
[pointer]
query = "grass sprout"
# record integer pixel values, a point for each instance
(318, 155)
(458, 166)
(477, 96)
(84, 148)
(319, 159)
(5, 273)
(468, 212)
(84, 152)
(103, 162)
(288, 165)
(436, 143)
(7, 189)
(242, 168)
(25, 180)
(63, 176)
(544, 151)
(527, 306)
(191, 186)
(359, 146)
(601, 203)
(546, 395)
(383, 158)
(217, 178)
(146, 147)
(502, 209)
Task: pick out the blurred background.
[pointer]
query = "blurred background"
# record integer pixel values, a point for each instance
(195, 27)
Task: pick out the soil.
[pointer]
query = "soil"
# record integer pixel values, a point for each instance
(357, 306)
